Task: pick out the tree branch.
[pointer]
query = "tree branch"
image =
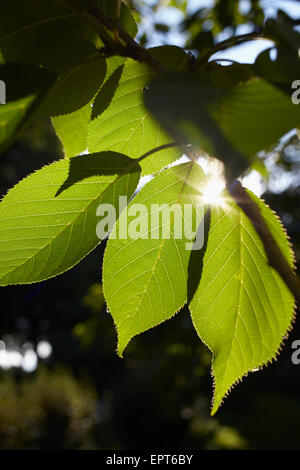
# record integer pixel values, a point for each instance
(275, 257)
(230, 42)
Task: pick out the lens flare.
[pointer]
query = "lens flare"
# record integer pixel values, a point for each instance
(212, 192)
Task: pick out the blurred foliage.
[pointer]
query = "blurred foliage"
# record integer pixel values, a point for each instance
(202, 25)
(51, 410)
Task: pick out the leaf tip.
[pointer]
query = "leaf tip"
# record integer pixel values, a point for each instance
(122, 343)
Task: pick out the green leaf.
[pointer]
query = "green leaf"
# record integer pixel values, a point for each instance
(255, 115)
(50, 33)
(145, 276)
(24, 79)
(72, 129)
(126, 126)
(226, 77)
(74, 88)
(22, 97)
(172, 57)
(242, 309)
(282, 71)
(106, 93)
(126, 19)
(232, 124)
(48, 220)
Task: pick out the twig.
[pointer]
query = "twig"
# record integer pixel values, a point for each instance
(118, 14)
(230, 42)
(273, 252)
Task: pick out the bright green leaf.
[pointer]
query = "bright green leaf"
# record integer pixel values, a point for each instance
(242, 309)
(126, 19)
(11, 117)
(126, 126)
(72, 129)
(171, 57)
(145, 276)
(48, 220)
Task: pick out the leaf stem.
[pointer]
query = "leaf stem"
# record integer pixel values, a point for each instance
(161, 147)
(230, 42)
(273, 252)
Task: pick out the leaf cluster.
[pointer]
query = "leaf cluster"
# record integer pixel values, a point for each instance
(135, 111)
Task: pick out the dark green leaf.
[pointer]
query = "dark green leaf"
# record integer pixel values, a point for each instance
(232, 124)
(282, 71)
(50, 33)
(24, 79)
(106, 93)
(126, 19)
(72, 129)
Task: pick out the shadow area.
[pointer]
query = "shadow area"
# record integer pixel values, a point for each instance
(196, 259)
(96, 164)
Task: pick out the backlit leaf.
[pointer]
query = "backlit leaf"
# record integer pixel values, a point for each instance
(242, 309)
(145, 277)
(72, 129)
(126, 126)
(232, 124)
(48, 220)
(11, 116)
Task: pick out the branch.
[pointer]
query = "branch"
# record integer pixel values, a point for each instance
(230, 42)
(117, 13)
(131, 49)
(275, 257)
